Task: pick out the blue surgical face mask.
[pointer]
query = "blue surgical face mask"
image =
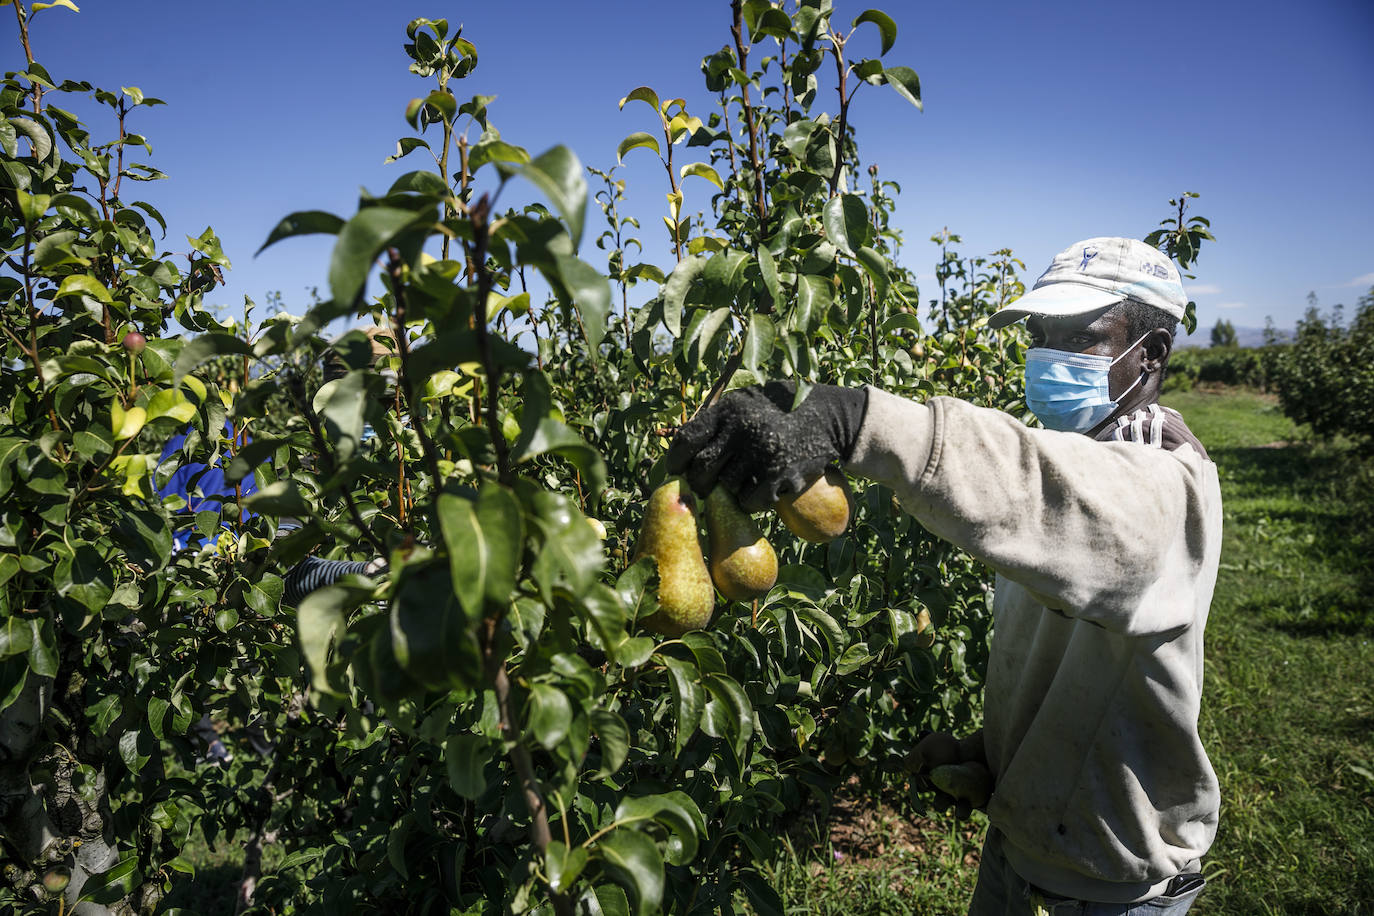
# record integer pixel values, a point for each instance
(1069, 391)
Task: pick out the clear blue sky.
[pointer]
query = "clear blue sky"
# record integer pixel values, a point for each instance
(1043, 123)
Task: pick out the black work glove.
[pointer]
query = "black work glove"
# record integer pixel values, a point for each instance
(753, 444)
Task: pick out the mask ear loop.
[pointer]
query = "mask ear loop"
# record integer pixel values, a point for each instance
(1144, 373)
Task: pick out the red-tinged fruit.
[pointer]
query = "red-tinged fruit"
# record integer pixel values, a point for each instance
(134, 342)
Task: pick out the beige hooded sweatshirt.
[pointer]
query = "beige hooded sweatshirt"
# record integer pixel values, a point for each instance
(1106, 555)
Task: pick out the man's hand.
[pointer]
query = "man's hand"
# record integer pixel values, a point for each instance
(963, 781)
(754, 445)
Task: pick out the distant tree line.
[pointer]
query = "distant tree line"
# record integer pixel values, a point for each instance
(1323, 376)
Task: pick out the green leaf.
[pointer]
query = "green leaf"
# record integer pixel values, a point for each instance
(396, 840)
(264, 596)
(341, 404)
(9, 568)
(32, 206)
(104, 714)
(226, 618)
(125, 424)
(613, 736)
(830, 631)
(550, 715)
(606, 900)
(876, 266)
(726, 691)
(591, 294)
(157, 715)
(444, 102)
(633, 860)
(559, 174)
(764, 899)
(465, 758)
(16, 636)
(431, 636)
(485, 540)
(145, 536)
(675, 291)
(75, 9)
(635, 140)
(772, 21)
(814, 296)
(281, 499)
(542, 434)
(42, 648)
(562, 865)
(600, 606)
(321, 625)
(361, 240)
(421, 182)
(768, 270)
(642, 93)
(115, 884)
(885, 25)
(702, 170)
(14, 674)
(633, 587)
(404, 147)
(170, 402)
(758, 342)
(673, 810)
(303, 222)
(703, 330)
(870, 71)
(38, 136)
(494, 150)
(83, 285)
(906, 82)
(846, 222)
(688, 697)
(203, 348)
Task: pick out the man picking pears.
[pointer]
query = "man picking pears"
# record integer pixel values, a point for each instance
(1104, 530)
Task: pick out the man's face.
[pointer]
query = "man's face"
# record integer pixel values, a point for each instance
(1105, 332)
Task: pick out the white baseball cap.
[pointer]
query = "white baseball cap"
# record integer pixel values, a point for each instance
(1096, 273)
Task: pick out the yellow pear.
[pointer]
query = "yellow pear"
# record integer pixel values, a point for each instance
(743, 564)
(821, 512)
(669, 535)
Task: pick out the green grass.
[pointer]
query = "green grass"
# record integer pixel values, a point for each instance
(871, 858)
(1288, 707)
(1288, 704)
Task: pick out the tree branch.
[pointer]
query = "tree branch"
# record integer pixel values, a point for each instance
(737, 30)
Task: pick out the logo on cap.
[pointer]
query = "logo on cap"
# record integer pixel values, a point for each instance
(1088, 255)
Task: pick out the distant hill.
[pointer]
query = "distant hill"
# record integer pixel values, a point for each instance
(1245, 337)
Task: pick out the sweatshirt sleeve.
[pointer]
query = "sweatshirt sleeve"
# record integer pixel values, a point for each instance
(1103, 531)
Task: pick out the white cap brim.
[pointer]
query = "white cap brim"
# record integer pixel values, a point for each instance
(1057, 300)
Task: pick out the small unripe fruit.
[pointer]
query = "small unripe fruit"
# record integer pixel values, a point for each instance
(134, 342)
(597, 526)
(57, 879)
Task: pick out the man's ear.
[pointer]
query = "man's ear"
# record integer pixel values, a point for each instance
(1159, 343)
